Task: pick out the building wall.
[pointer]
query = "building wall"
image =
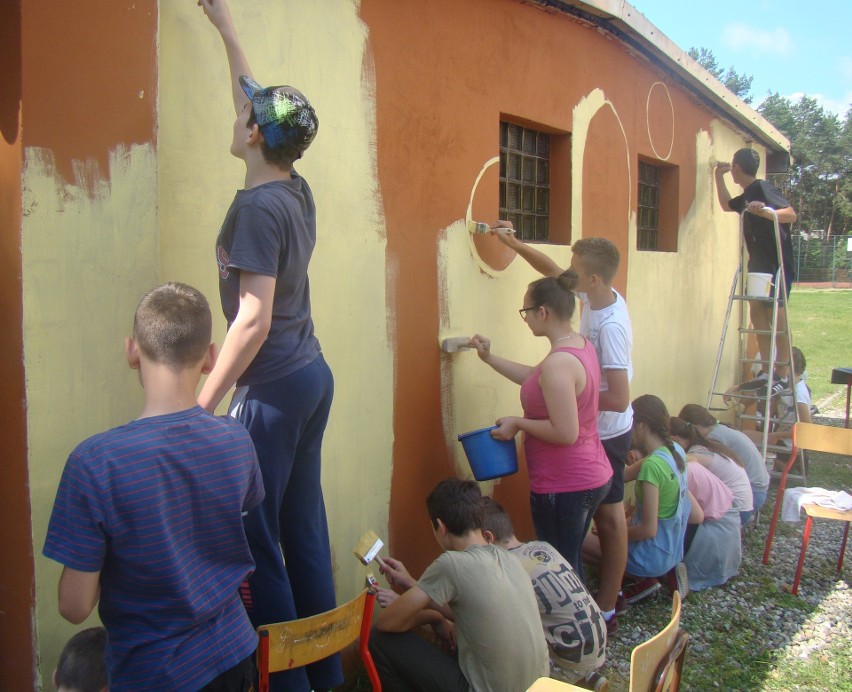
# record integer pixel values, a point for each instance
(17, 652)
(441, 91)
(125, 185)
(89, 240)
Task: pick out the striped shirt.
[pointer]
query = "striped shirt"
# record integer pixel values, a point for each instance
(155, 506)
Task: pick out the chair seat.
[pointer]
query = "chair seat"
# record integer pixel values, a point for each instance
(819, 512)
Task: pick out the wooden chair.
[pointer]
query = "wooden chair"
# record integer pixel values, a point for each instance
(657, 664)
(819, 438)
(296, 643)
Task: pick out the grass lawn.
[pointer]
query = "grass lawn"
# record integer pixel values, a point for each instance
(820, 320)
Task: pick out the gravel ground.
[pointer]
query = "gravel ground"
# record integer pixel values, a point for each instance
(751, 633)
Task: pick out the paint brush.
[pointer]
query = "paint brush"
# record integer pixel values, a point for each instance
(368, 548)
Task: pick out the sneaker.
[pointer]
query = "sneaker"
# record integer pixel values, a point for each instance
(638, 591)
(611, 626)
(620, 604)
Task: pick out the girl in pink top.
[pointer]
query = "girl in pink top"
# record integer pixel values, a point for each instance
(568, 468)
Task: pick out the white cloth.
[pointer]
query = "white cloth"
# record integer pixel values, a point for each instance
(794, 498)
(610, 331)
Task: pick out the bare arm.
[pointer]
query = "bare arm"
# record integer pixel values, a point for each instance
(696, 514)
(219, 15)
(78, 594)
(650, 509)
(559, 387)
(244, 339)
(721, 188)
(412, 609)
(517, 372)
(617, 395)
(758, 208)
(535, 258)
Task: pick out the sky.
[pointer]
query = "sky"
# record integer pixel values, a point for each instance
(792, 48)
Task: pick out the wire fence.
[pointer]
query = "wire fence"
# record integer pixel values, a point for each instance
(823, 261)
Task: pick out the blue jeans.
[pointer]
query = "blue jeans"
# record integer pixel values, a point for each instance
(286, 419)
(563, 520)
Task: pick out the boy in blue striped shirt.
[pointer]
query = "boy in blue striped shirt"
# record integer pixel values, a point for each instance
(147, 520)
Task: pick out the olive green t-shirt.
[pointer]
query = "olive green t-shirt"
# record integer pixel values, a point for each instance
(498, 630)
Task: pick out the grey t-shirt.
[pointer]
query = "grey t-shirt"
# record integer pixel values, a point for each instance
(271, 230)
(739, 443)
(500, 640)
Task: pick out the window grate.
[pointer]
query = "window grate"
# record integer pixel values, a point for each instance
(648, 221)
(525, 180)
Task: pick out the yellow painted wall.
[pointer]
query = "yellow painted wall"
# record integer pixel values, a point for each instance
(198, 178)
(87, 260)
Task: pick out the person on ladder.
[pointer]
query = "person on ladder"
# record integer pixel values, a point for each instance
(759, 237)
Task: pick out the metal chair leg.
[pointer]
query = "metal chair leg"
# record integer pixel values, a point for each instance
(805, 538)
(842, 549)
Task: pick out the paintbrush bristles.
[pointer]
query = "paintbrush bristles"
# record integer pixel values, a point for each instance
(368, 547)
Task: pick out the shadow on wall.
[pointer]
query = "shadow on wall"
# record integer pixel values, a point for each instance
(10, 58)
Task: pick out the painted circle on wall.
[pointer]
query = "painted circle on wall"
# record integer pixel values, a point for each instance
(659, 116)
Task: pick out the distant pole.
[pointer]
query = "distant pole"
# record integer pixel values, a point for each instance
(799, 260)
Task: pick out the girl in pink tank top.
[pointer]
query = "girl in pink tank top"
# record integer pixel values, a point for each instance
(568, 468)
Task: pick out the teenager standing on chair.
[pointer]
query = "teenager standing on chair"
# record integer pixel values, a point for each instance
(284, 387)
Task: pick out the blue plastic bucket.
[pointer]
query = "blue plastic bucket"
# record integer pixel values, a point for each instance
(489, 458)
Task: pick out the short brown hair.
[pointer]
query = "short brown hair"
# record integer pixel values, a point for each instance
(82, 663)
(458, 504)
(173, 325)
(599, 256)
(496, 520)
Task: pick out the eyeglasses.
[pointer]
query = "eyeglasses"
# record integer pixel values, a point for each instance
(523, 311)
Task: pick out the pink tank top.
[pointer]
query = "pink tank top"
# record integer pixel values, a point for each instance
(567, 468)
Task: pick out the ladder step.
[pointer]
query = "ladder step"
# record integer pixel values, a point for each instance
(749, 416)
(749, 330)
(756, 299)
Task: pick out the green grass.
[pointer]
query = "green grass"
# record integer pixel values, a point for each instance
(820, 320)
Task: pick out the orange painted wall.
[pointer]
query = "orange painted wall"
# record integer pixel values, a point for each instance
(90, 79)
(445, 71)
(17, 657)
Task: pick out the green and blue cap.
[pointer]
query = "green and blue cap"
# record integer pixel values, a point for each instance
(284, 116)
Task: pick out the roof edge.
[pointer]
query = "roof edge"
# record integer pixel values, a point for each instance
(632, 27)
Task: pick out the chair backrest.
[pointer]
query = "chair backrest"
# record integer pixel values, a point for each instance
(823, 438)
(656, 663)
(296, 643)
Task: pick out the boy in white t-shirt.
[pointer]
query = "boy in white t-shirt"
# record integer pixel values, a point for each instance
(606, 322)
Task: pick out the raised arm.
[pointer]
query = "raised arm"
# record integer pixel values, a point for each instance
(535, 258)
(724, 196)
(219, 15)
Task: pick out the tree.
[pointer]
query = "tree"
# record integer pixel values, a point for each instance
(819, 182)
(739, 84)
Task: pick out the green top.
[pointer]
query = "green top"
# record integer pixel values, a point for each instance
(657, 471)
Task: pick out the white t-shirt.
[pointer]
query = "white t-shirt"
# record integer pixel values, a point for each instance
(610, 331)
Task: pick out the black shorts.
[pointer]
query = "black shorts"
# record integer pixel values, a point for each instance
(616, 449)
